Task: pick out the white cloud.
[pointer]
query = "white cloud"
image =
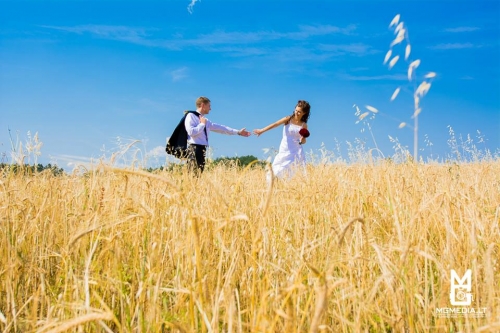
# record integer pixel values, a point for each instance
(156, 152)
(307, 31)
(74, 161)
(154, 158)
(238, 37)
(143, 36)
(121, 33)
(461, 29)
(236, 51)
(157, 157)
(393, 77)
(355, 48)
(191, 6)
(452, 46)
(179, 74)
(234, 43)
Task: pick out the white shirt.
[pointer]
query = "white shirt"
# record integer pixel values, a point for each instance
(196, 132)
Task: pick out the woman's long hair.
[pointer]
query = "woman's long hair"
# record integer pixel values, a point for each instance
(306, 108)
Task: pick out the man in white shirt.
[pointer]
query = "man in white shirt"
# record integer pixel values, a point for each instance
(198, 129)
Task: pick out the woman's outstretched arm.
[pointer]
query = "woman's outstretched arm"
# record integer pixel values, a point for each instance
(259, 131)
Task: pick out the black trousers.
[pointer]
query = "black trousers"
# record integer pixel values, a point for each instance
(196, 157)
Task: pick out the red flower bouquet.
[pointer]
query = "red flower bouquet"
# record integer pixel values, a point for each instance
(304, 132)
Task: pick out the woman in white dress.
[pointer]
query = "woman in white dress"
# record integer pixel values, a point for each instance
(294, 136)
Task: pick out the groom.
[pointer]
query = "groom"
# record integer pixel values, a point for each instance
(198, 128)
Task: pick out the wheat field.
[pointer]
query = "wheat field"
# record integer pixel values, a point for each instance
(343, 248)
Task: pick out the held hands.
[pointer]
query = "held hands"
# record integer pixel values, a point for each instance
(258, 132)
(244, 132)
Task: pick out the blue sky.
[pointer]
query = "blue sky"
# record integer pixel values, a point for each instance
(93, 76)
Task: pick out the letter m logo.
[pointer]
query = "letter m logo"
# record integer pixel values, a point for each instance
(460, 288)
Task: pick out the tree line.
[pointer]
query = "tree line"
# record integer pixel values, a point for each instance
(30, 169)
(239, 162)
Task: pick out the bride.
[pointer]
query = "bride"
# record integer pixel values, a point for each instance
(295, 133)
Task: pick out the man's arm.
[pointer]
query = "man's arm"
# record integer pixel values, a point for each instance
(223, 129)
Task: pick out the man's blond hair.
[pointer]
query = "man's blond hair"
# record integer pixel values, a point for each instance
(202, 100)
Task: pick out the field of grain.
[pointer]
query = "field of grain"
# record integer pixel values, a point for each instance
(345, 248)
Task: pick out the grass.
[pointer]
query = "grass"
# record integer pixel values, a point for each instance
(364, 245)
(350, 248)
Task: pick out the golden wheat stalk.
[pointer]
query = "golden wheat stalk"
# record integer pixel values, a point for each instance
(68, 324)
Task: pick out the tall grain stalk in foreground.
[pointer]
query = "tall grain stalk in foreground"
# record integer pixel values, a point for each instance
(358, 248)
(419, 91)
(391, 59)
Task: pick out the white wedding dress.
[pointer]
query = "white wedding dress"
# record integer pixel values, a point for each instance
(290, 155)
